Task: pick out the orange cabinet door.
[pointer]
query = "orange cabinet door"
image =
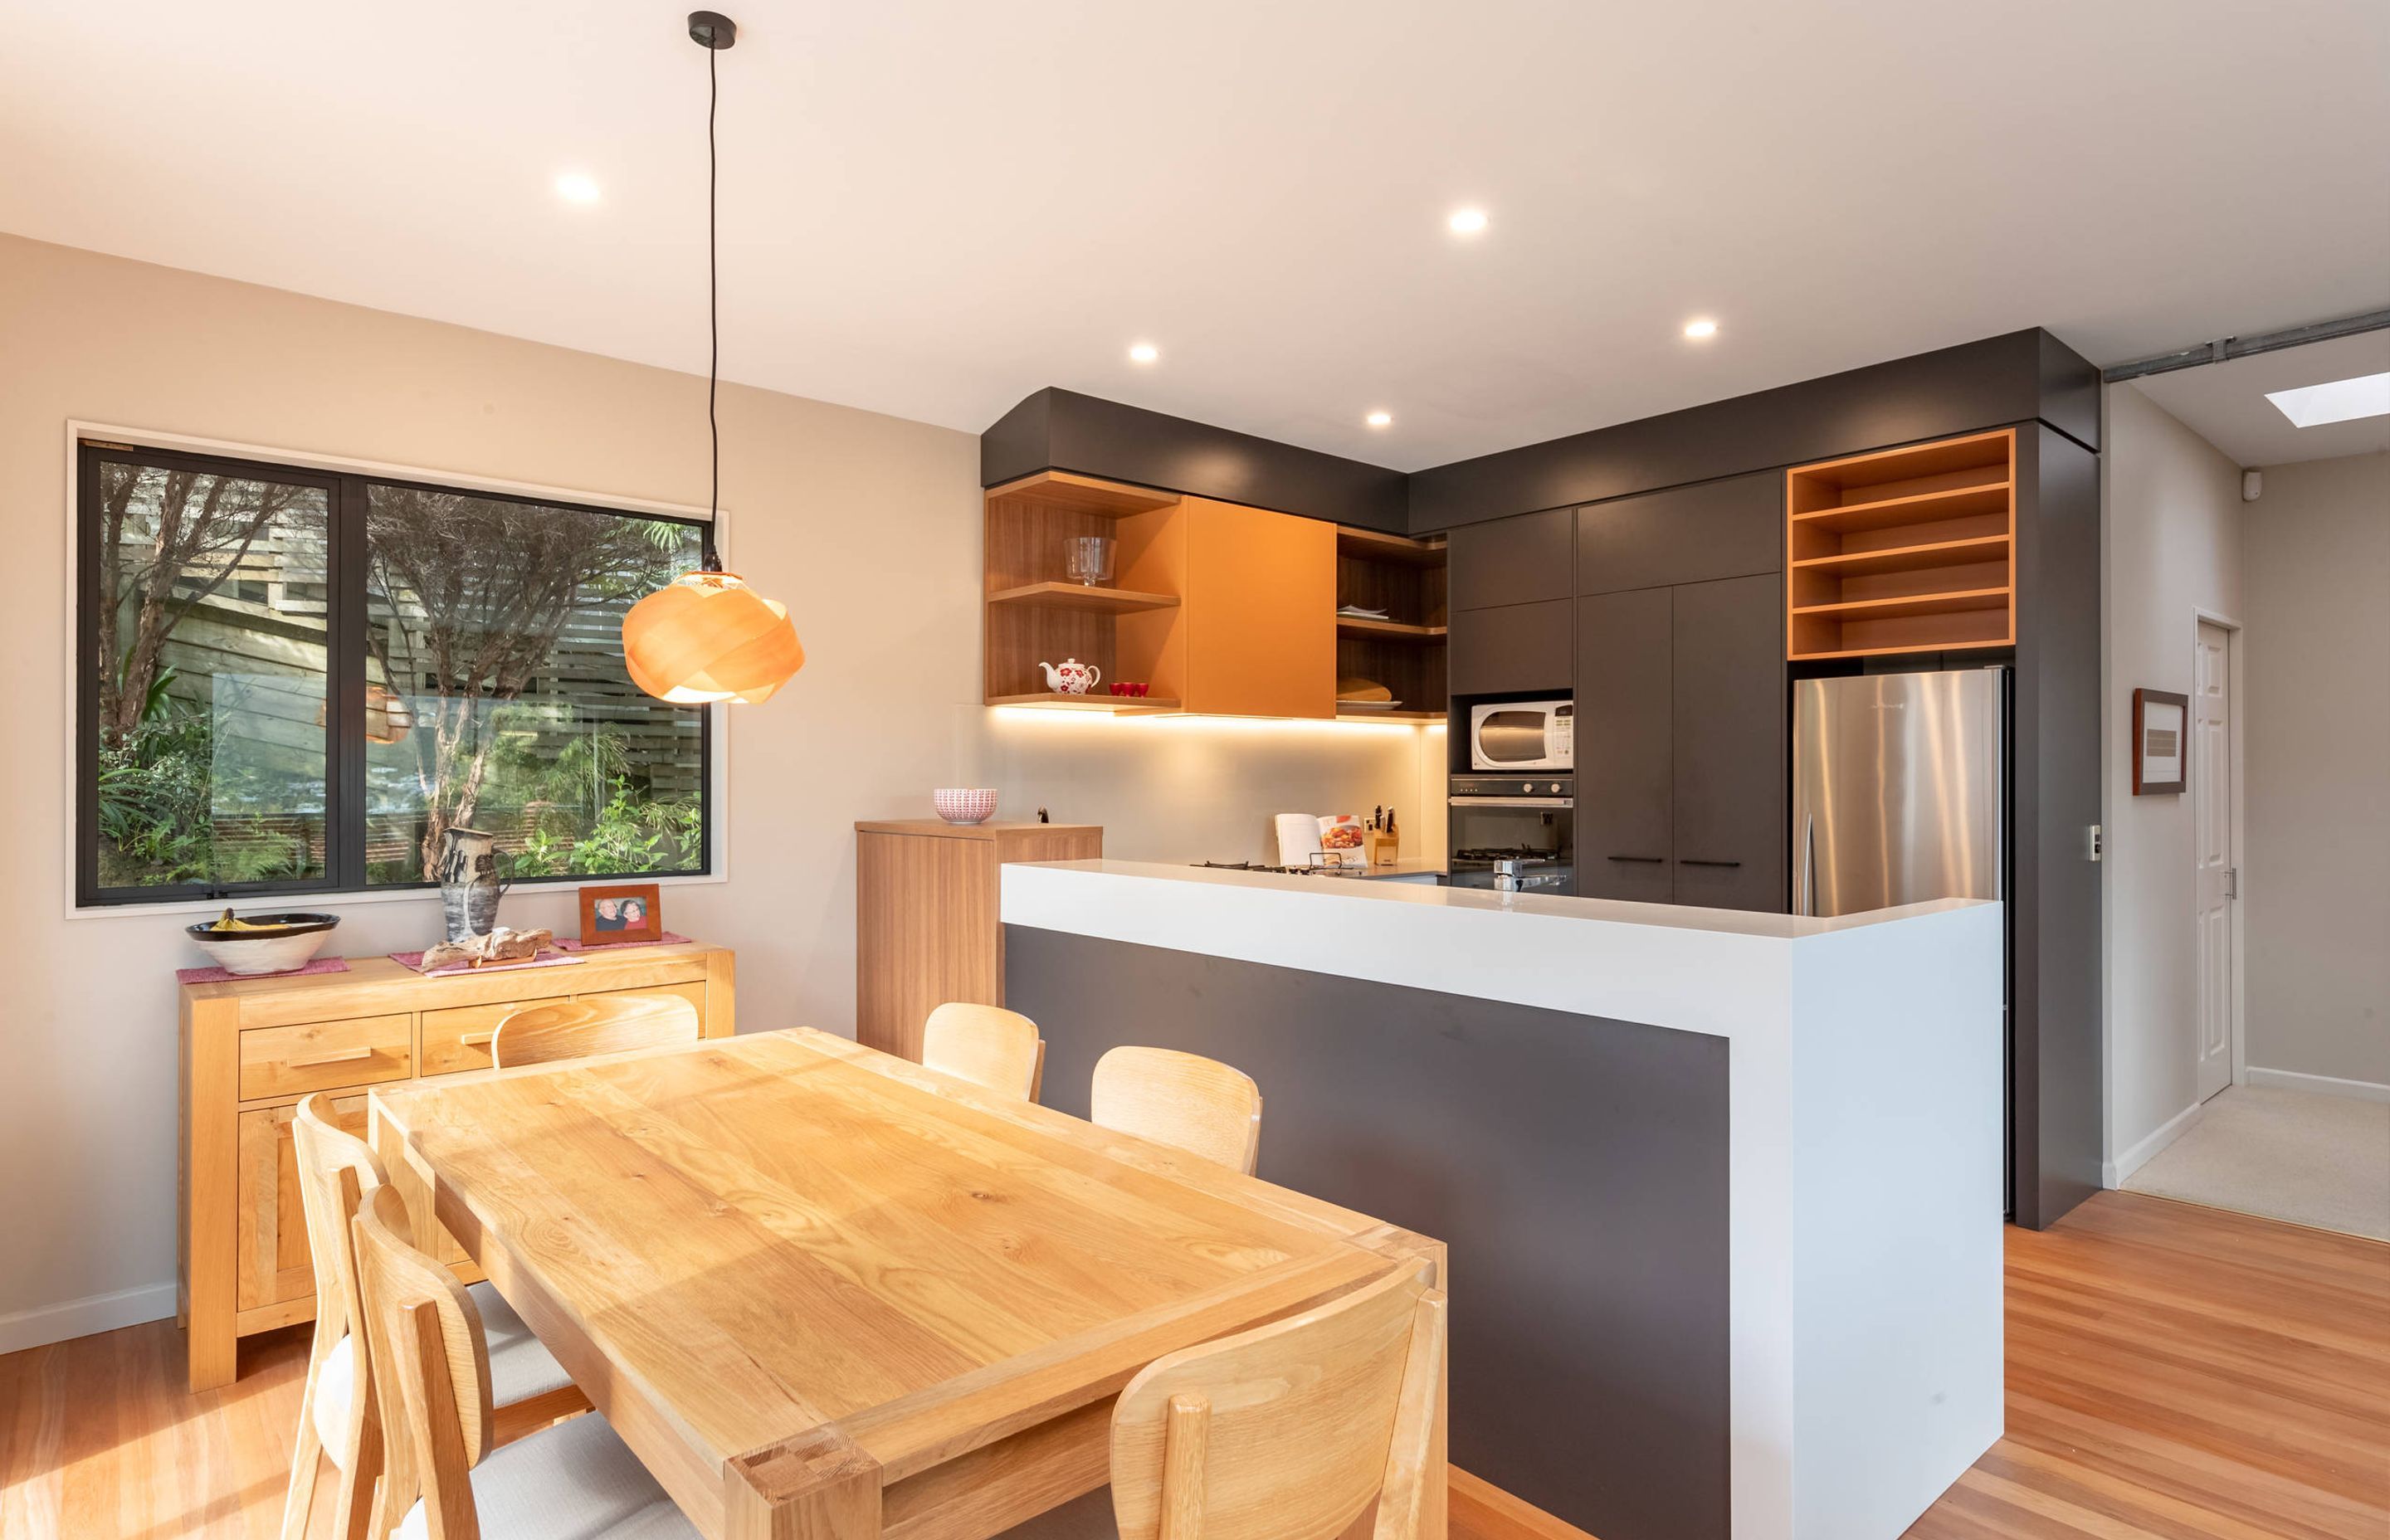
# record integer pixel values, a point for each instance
(1260, 612)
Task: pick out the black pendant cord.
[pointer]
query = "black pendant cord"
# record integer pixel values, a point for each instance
(712, 297)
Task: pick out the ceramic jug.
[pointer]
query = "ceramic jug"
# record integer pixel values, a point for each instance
(466, 867)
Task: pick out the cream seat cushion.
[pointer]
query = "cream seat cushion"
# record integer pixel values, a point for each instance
(576, 1481)
(520, 1367)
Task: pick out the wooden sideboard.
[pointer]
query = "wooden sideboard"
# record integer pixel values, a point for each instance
(927, 928)
(253, 1049)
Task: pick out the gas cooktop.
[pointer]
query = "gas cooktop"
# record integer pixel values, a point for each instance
(1531, 858)
(1290, 871)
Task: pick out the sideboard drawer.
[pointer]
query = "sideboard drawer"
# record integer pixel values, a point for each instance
(323, 1056)
(693, 993)
(458, 1038)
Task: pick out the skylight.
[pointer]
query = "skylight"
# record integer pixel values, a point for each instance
(2368, 395)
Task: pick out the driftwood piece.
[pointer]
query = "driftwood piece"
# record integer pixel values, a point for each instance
(500, 945)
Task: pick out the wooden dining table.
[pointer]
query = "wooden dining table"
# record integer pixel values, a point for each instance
(825, 1293)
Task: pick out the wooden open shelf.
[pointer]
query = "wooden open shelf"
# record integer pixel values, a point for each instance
(1408, 712)
(1905, 550)
(1086, 494)
(1114, 705)
(1391, 631)
(1399, 549)
(1074, 595)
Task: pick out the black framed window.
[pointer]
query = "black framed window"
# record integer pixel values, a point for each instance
(291, 681)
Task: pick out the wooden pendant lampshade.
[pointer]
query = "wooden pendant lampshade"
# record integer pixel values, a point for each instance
(710, 637)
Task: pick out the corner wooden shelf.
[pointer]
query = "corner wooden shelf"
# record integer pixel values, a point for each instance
(1903, 550)
(1111, 705)
(1060, 488)
(1074, 595)
(1398, 549)
(1391, 631)
(1347, 711)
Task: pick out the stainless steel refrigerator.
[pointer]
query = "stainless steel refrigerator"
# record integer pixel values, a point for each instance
(1897, 794)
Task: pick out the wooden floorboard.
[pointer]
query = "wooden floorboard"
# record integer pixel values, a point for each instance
(2175, 1373)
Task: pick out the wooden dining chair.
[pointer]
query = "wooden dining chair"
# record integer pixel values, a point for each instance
(598, 1023)
(1291, 1430)
(1196, 1104)
(986, 1044)
(336, 1408)
(442, 1469)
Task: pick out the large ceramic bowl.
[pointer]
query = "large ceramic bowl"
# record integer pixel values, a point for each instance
(287, 942)
(964, 804)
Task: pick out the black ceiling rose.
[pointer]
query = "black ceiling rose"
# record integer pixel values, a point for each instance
(712, 28)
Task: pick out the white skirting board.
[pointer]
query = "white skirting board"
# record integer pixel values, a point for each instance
(2116, 1172)
(2322, 1086)
(58, 1323)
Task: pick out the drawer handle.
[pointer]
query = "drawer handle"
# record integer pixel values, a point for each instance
(1689, 861)
(476, 1039)
(1652, 859)
(338, 1056)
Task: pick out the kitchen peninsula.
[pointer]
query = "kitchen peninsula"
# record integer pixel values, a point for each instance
(1723, 1190)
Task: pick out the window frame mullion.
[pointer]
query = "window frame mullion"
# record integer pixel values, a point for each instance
(344, 752)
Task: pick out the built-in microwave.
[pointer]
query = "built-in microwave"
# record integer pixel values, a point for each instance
(1522, 735)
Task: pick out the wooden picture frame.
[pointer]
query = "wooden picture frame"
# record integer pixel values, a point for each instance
(607, 913)
(2160, 743)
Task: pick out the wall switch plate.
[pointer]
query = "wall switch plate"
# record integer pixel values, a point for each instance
(2093, 844)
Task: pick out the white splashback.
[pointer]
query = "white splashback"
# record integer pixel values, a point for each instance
(1200, 788)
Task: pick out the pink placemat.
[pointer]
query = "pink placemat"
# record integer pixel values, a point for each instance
(415, 961)
(220, 976)
(667, 939)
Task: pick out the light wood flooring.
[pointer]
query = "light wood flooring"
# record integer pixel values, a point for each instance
(2175, 1373)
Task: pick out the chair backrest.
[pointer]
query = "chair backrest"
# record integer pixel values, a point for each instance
(986, 1045)
(1289, 1432)
(1197, 1104)
(432, 1372)
(336, 1170)
(599, 1023)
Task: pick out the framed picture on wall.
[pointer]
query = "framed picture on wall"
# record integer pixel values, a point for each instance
(620, 912)
(2161, 724)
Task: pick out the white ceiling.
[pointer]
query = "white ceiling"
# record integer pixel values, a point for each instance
(2225, 403)
(934, 207)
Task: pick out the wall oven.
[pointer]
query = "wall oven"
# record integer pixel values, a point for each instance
(1513, 826)
(1522, 735)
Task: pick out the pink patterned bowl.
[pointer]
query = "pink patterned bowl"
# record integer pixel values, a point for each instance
(959, 804)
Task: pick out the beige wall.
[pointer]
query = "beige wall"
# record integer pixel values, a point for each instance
(868, 526)
(2174, 519)
(2316, 547)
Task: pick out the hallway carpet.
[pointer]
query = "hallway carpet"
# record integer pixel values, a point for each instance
(2322, 1162)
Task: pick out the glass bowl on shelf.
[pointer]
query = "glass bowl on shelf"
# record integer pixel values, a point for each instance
(1088, 558)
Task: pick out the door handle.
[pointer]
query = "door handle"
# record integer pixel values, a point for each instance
(1689, 861)
(1810, 865)
(338, 1056)
(476, 1039)
(1654, 860)
(1514, 801)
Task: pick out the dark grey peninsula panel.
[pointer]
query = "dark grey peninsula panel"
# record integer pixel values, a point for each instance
(1576, 1166)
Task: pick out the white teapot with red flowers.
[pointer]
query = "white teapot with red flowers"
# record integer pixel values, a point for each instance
(1071, 677)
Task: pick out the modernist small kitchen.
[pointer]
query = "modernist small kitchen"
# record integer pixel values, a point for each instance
(1743, 867)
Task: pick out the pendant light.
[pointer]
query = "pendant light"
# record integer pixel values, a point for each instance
(708, 637)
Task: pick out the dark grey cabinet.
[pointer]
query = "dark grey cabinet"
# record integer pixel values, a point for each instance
(1726, 728)
(1512, 647)
(1625, 702)
(1730, 527)
(1509, 561)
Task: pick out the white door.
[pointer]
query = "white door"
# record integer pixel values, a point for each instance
(2217, 881)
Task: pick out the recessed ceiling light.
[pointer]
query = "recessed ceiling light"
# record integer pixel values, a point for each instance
(1143, 352)
(2368, 395)
(1379, 419)
(1701, 328)
(1466, 222)
(576, 187)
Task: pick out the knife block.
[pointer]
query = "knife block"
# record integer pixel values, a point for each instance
(1383, 845)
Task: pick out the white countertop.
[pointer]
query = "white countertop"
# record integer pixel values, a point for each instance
(1721, 972)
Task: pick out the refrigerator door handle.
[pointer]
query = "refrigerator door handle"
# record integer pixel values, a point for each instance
(1810, 865)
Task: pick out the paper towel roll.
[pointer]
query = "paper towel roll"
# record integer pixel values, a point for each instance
(1298, 838)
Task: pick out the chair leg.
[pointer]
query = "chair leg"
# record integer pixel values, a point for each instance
(357, 1512)
(300, 1501)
